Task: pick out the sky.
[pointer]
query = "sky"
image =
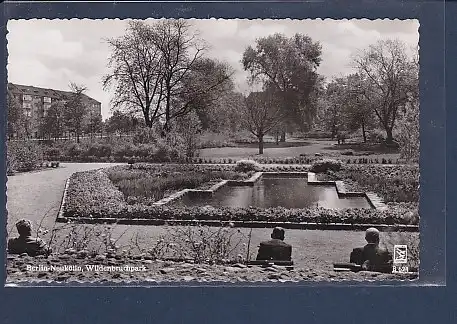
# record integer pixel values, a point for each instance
(53, 53)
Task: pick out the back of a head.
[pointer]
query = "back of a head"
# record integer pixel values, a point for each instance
(24, 227)
(372, 235)
(278, 233)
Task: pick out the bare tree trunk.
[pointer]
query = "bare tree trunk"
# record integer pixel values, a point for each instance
(389, 139)
(364, 132)
(260, 138)
(283, 135)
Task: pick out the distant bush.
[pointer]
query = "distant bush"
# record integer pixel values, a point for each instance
(74, 150)
(246, 166)
(24, 155)
(52, 153)
(146, 136)
(325, 165)
(99, 150)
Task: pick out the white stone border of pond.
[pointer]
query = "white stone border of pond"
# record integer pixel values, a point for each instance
(374, 200)
(250, 182)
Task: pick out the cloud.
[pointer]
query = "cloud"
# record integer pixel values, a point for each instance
(52, 53)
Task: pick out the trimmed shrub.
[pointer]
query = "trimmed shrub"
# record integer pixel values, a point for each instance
(325, 165)
(23, 156)
(246, 166)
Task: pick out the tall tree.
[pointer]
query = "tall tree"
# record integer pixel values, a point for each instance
(120, 122)
(389, 79)
(289, 65)
(153, 68)
(136, 72)
(94, 125)
(262, 113)
(15, 116)
(75, 110)
(331, 107)
(201, 88)
(357, 110)
(54, 120)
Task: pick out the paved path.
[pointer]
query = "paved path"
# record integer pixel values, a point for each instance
(38, 194)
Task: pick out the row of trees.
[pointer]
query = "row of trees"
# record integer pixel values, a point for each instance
(384, 88)
(383, 91)
(161, 77)
(161, 72)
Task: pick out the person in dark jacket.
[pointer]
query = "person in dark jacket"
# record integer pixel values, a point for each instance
(372, 257)
(275, 249)
(25, 243)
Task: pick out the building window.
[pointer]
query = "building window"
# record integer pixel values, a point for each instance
(46, 107)
(47, 99)
(27, 97)
(27, 105)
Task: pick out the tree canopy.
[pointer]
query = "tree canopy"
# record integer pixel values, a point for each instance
(290, 66)
(160, 70)
(390, 80)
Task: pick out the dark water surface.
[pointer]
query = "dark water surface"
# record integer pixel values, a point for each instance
(276, 192)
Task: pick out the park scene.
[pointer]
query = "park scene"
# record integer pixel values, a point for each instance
(212, 151)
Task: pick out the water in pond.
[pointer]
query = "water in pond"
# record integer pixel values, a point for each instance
(274, 192)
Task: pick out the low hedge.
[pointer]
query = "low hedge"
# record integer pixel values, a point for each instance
(91, 194)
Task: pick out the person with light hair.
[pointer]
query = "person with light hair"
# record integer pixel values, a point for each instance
(372, 257)
(25, 243)
(275, 249)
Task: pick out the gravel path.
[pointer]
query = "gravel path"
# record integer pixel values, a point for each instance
(33, 195)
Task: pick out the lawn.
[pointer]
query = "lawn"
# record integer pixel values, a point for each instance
(295, 148)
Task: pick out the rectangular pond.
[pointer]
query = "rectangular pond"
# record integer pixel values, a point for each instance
(276, 192)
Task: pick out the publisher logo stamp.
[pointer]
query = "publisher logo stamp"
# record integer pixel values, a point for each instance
(400, 254)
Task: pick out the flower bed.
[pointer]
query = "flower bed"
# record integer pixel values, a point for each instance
(154, 182)
(92, 195)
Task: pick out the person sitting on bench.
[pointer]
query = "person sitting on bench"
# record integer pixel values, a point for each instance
(372, 257)
(25, 243)
(275, 249)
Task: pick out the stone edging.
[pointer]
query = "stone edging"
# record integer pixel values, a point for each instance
(241, 224)
(64, 199)
(374, 200)
(250, 182)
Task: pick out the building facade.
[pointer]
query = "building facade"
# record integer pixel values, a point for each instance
(35, 102)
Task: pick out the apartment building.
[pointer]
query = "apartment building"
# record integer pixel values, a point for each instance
(35, 102)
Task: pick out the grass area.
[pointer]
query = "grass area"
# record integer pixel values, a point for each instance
(294, 148)
(153, 183)
(268, 145)
(364, 147)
